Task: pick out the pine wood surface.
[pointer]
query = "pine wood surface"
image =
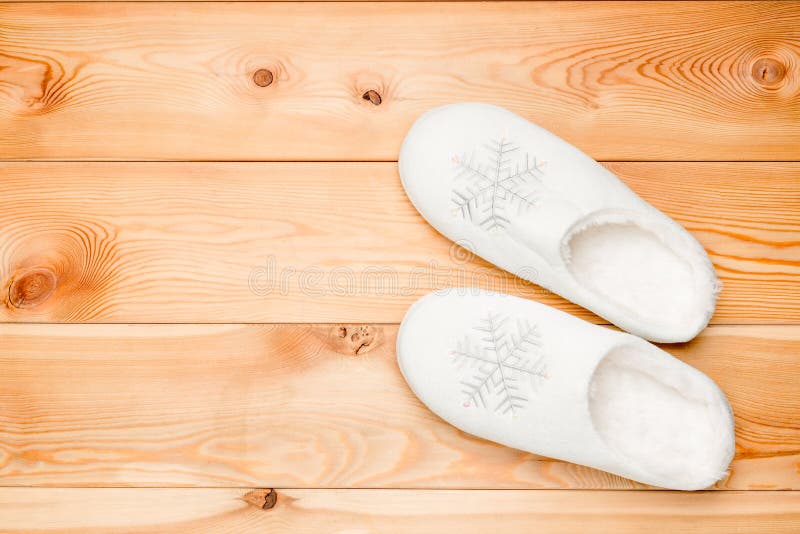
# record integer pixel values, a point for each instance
(323, 242)
(304, 511)
(344, 81)
(316, 406)
(151, 379)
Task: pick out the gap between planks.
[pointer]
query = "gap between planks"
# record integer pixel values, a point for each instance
(335, 162)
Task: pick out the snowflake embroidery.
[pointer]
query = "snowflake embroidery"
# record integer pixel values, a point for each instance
(497, 187)
(504, 367)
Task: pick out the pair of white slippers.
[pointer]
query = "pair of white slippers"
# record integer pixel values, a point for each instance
(534, 378)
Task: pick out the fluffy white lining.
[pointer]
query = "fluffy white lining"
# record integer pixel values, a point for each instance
(664, 421)
(648, 271)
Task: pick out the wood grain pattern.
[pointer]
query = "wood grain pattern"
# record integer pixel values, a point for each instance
(661, 81)
(320, 411)
(305, 511)
(321, 242)
(315, 406)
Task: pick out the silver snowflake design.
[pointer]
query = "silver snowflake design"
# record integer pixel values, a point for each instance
(497, 188)
(505, 364)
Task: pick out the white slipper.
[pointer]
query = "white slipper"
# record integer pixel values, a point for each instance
(538, 207)
(534, 378)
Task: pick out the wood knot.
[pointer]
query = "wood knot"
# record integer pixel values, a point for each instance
(768, 71)
(262, 498)
(373, 97)
(263, 77)
(32, 288)
(355, 340)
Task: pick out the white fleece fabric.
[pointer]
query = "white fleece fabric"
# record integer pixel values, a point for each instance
(534, 205)
(534, 378)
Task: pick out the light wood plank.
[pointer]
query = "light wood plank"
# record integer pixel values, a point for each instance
(315, 406)
(321, 242)
(660, 81)
(161, 510)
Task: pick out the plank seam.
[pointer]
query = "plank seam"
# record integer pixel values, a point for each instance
(90, 160)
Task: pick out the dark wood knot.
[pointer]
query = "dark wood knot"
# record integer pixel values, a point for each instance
(32, 288)
(355, 340)
(373, 97)
(263, 77)
(262, 498)
(768, 71)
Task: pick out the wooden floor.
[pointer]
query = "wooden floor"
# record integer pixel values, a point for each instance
(205, 251)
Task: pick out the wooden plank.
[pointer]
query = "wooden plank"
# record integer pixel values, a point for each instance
(315, 406)
(162, 510)
(321, 242)
(661, 81)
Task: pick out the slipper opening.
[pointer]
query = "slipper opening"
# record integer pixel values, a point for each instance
(668, 420)
(640, 272)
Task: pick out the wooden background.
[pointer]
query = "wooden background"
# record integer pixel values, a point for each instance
(205, 251)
